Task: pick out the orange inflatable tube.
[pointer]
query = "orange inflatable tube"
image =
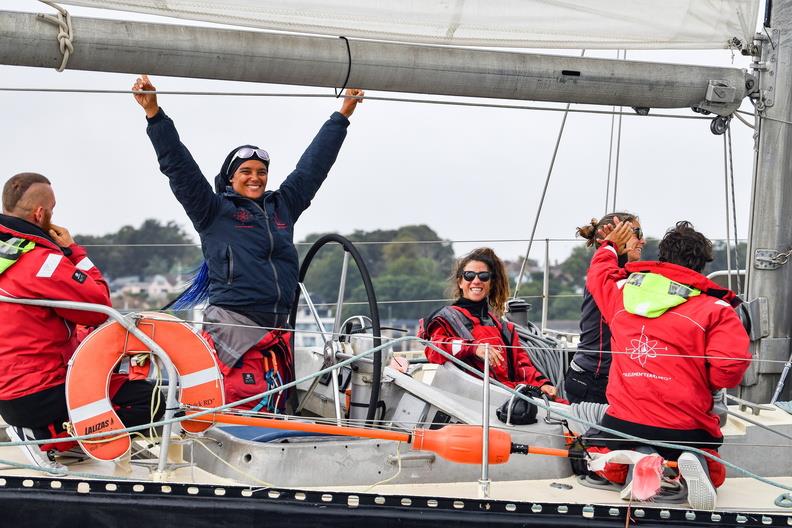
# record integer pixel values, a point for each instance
(90, 368)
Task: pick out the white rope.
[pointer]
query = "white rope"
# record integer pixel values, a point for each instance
(65, 31)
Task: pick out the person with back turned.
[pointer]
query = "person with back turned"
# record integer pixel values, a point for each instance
(40, 260)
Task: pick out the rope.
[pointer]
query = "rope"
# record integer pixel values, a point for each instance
(544, 352)
(367, 97)
(65, 31)
(339, 93)
(542, 198)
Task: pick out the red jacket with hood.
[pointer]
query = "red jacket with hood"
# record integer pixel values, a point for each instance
(668, 364)
(442, 334)
(37, 342)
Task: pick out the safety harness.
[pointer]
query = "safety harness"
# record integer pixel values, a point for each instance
(462, 326)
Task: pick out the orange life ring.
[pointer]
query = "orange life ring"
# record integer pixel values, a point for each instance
(90, 368)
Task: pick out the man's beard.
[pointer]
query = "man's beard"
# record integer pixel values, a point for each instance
(46, 221)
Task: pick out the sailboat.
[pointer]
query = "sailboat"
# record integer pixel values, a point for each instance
(227, 473)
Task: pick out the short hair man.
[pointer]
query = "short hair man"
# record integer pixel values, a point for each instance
(675, 338)
(40, 260)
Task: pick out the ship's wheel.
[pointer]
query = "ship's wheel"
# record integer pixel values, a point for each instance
(333, 338)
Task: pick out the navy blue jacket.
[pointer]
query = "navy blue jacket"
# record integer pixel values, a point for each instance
(593, 351)
(595, 336)
(248, 245)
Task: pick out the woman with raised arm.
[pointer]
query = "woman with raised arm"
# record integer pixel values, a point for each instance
(587, 376)
(249, 276)
(472, 327)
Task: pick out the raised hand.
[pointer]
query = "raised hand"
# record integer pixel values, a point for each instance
(350, 103)
(621, 234)
(147, 100)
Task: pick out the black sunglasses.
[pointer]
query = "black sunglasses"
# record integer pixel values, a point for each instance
(484, 276)
(638, 233)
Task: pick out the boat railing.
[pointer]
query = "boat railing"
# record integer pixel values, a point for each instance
(129, 322)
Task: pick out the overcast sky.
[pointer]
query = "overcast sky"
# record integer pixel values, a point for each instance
(469, 173)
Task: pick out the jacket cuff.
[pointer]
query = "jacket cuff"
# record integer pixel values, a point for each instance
(159, 116)
(338, 117)
(75, 252)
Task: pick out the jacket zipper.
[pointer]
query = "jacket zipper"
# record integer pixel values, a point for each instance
(230, 254)
(272, 248)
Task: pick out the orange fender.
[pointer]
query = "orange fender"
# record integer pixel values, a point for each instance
(90, 368)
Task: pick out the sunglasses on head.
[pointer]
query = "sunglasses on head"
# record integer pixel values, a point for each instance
(638, 233)
(484, 276)
(247, 153)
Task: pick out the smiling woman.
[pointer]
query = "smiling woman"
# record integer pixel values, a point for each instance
(472, 329)
(249, 276)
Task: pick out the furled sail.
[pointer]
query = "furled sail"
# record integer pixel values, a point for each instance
(593, 24)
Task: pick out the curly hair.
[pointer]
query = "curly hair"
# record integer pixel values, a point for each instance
(685, 246)
(589, 231)
(499, 290)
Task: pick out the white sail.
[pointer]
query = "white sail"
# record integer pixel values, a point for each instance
(593, 24)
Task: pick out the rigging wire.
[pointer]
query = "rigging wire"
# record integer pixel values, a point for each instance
(371, 242)
(758, 118)
(618, 151)
(726, 195)
(450, 342)
(734, 211)
(367, 97)
(542, 198)
(610, 153)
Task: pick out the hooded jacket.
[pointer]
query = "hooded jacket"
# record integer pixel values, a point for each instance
(248, 245)
(676, 337)
(36, 342)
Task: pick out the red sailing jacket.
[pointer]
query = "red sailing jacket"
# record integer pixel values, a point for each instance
(648, 384)
(36, 342)
(442, 334)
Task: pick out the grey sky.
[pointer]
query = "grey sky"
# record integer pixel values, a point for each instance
(469, 173)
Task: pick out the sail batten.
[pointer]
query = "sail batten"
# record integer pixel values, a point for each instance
(557, 24)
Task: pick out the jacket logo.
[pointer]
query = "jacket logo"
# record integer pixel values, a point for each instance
(79, 276)
(280, 224)
(643, 348)
(243, 216)
(248, 378)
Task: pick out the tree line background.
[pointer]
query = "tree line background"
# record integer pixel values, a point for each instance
(408, 264)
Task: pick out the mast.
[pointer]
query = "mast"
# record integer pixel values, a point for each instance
(199, 52)
(769, 280)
